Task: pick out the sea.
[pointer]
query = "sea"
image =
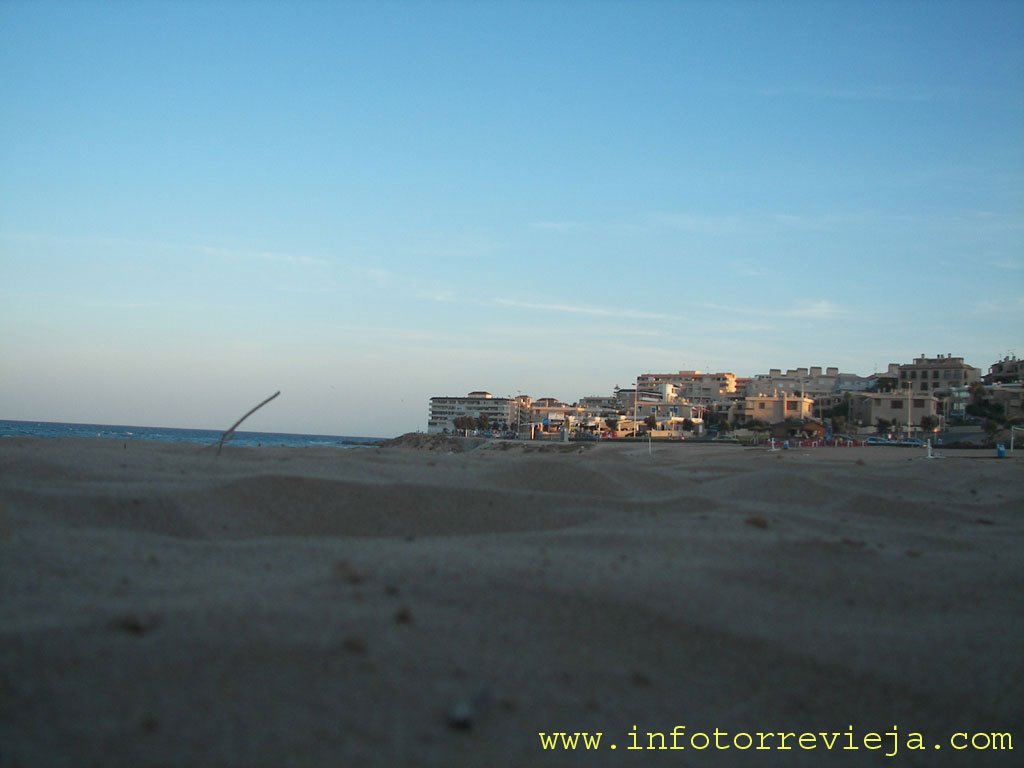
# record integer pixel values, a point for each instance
(168, 434)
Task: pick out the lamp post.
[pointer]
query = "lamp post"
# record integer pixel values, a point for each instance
(636, 394)
(910, 394)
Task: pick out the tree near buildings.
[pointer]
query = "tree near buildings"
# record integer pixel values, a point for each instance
(991, 427)
(714, 420)
(465, 423)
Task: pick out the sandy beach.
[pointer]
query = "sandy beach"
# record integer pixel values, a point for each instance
(430, 606)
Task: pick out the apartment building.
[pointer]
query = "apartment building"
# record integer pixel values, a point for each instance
(935, 374)
(689, 385)
(808, 381)
(498, 410)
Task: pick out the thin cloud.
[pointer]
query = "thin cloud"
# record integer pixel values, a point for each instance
(816, 310)
(1005, 306)
(694, 223)
(271, 256)
(805, 223)
(558, 226)
(439, 295)
(877, 92)
(1009, 265)
(374, 274)
(579, 309)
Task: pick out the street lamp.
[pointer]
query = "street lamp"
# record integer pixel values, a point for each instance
(636, 393)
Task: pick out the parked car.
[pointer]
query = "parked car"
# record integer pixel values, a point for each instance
(911, 442)
(878, 441)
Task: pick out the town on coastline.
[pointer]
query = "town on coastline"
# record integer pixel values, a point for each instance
(940, 398)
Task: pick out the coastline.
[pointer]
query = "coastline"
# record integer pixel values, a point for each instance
(404, 606)
(197, 436)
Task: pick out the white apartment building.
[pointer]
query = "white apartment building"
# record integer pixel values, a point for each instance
(689, 385)
(498, 410)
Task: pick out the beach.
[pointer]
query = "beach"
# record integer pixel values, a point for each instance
(442, 602)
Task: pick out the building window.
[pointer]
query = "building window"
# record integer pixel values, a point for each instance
(760, 406)
(918, 403)
(791, 406)
(895, 404)
(935, 374)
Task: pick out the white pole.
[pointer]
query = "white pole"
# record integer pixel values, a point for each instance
(910, 388)
(636, 392)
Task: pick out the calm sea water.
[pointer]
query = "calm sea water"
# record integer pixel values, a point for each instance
(199, 436)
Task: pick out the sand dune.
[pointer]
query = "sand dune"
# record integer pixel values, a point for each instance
(440, 605)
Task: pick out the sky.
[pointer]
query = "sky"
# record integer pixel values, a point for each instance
(364, 205)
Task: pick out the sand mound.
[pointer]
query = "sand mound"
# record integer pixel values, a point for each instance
(424, 442)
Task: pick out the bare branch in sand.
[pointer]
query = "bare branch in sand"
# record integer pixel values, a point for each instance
(235, 425)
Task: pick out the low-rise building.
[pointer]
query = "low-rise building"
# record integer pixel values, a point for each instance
(903, 408)
(1005, 371)
(1010, 397)
(776, 407)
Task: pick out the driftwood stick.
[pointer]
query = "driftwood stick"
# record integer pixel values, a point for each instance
(247, 415)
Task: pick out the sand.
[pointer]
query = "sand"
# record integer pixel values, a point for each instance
(163, 606)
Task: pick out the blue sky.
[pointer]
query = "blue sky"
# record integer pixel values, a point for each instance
(366, 204)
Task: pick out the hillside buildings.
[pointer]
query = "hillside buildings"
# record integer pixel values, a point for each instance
(924, 391)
